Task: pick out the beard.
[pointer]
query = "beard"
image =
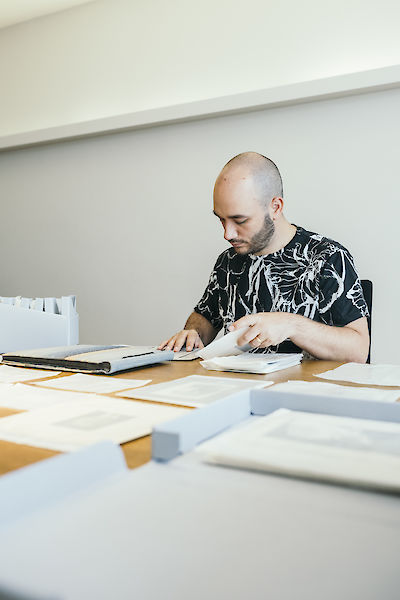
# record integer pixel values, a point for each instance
(261, 239)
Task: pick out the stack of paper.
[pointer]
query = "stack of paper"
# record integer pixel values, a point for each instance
(366, 374)
(252, 363)
(357, 452)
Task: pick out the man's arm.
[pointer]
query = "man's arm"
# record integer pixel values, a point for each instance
(349, 343)
(197, 333)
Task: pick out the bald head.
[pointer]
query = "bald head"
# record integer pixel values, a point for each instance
(248, 202)
(257, 171)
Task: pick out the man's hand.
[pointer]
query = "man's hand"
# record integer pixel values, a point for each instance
(264, 329)
(197, 333)
(190, 337)
(348, 343)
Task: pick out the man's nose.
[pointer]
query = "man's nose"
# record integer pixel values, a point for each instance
(230, 232)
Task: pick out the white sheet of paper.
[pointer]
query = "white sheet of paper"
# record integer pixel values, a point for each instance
(320, 388)
(10, 374)
(20, 396)
(73, 425)
(223, 346)
(98, 384)
(355, 451)
(252, 363)
(366, 374)
(194, 390)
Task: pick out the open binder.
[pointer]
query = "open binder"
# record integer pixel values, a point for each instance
(88, 359)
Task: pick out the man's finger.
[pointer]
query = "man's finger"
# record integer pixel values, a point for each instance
(180, 340)
(247, 321)
(162, 345)
(191, 340)
(199, 344)
(171, 342)
(248, 336)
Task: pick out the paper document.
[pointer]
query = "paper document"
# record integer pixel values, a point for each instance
(338, 391)
(92, 383)
(18, 374)
(194, 390)
(72, 425)
(366, 374)
(20, 396)
(253, 363)
(223, 346)
(358, 452)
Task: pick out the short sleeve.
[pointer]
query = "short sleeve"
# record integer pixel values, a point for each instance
(208, 306)
(341, 299)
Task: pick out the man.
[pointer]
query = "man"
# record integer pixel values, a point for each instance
(293, 289)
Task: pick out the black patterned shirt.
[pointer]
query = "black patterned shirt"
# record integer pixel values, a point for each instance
(311, 276)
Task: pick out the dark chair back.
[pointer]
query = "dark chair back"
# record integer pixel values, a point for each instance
(366, 285)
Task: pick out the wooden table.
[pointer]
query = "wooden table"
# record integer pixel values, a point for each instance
(168, 531)
(138, 452)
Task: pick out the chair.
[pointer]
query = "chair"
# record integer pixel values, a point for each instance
(366, 285)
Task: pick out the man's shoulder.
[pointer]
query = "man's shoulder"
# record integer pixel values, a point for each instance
(319, 244)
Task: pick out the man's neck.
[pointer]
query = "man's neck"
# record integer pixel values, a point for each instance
(284, 233)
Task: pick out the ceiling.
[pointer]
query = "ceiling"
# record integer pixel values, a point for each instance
(17, 11)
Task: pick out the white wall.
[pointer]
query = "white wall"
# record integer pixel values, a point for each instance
(19, 11)
(124, 221)
(117, 56)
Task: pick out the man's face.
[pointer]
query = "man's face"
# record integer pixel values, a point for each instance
(247, 224)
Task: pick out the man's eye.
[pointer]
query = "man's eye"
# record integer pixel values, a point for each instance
(240, 222)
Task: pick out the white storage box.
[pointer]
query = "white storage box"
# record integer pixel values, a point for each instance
(39, 323)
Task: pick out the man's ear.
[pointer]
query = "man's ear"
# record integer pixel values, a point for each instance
(276, 207)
